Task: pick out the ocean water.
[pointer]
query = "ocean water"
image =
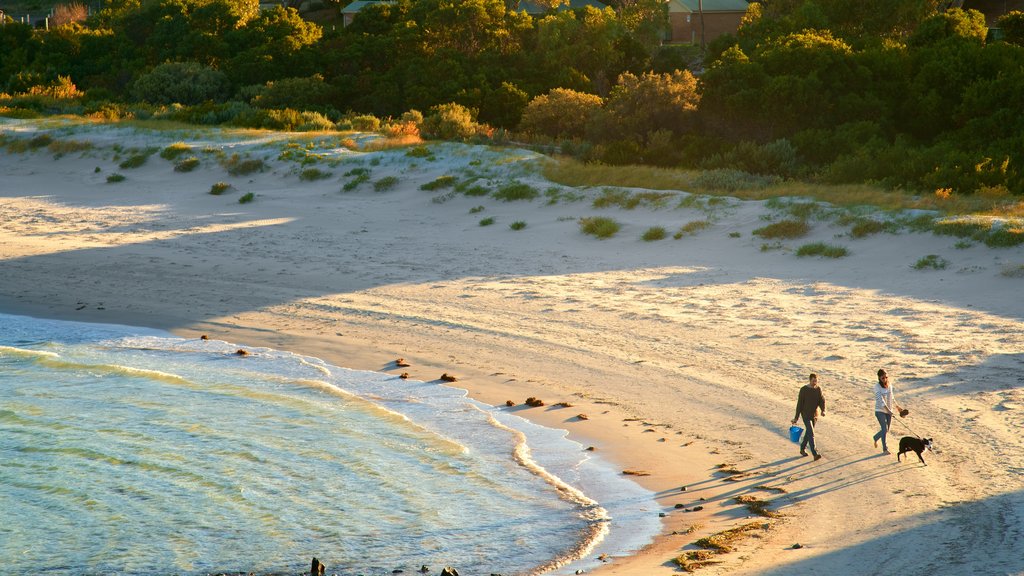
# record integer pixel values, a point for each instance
(130, 451)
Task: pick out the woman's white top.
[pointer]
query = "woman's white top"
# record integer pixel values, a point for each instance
(884, 400)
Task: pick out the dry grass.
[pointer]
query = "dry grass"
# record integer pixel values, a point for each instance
(993, 201)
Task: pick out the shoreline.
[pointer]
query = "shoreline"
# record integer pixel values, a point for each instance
(686, 355)
(616, 451)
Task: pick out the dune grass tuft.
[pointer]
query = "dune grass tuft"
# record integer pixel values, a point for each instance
(822, 249)
(932, 262)
(517, 191)
(238, 166)
(312, 174)
(653, 233)
(219, 188)
(187, 164)
(599, 226)
(517, 225)
(115, 177)
(386, 183)
(246, 198)
(135, 160)
(784, 229)
(438, 183)
(487, 221)
(175, 150)
(691, 228)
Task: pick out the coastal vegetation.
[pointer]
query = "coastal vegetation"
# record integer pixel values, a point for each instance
(912, 105)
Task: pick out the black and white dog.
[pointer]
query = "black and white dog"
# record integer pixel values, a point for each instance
(913, 444)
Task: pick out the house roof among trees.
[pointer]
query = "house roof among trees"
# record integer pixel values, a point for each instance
(692, 6)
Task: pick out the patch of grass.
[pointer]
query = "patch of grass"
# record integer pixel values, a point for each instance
(691, 228)
(962, 228)
(653, 233)
(556, 195)
(613, 197)
(757, 506)
(61, 147)
(476, 190)
(822, 249)
(487, 221)
(359, 171)
(246, 198)
(963, 244)
(931, 261)
(784, 229)
(174, 150)
(866, 227)
(599, 226)
(1013, 271)
(358, 177)
(1005, 238)
(311, 174)
(134, 161)
(735, 235)
(186, 165)
(517, 191)
(438, 183)
(476, 209)
(442, 198)
(724, 541)
(113, 178)
(219, 188)
(238, 166)
(419, 152)
(769, 247)
(39, 141)
(517, 225)
(799, 210)
(386, 183)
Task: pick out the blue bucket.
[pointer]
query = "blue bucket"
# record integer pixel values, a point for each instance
(795, 432)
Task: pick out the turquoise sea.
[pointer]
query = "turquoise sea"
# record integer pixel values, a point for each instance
(130, 451)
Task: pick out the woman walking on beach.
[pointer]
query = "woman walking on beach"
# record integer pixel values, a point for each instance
(885, 402)
(807, 404)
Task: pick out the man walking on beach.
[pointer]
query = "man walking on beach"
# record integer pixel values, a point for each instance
(807, 404)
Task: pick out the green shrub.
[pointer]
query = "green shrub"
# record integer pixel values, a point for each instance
(187, 165)
(112, 178)
(561, 113)
(599, 226)
(784, 229)
(439, 182)
(476, 190)
(385, 183)
(691, 228)
(238, 166)
(866, 227)
(654, 233)
(359, 176)
(517, 225)
(174, 150)
(487, 221)
(822, 249)
(311, 174)
(185, 83)
(305, 93)
(933, 261)
(134, 161)
(419, 152)
(246, 198)
(963, 244)
(219, 188)
(450, 122)
(365, 123)
(516, 191)
(1005, 238)
(735, 235)
(476, 209)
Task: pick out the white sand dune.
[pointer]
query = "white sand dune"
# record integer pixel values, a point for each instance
(685, 354)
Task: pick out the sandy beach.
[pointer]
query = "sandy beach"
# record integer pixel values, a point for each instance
(685, 355)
